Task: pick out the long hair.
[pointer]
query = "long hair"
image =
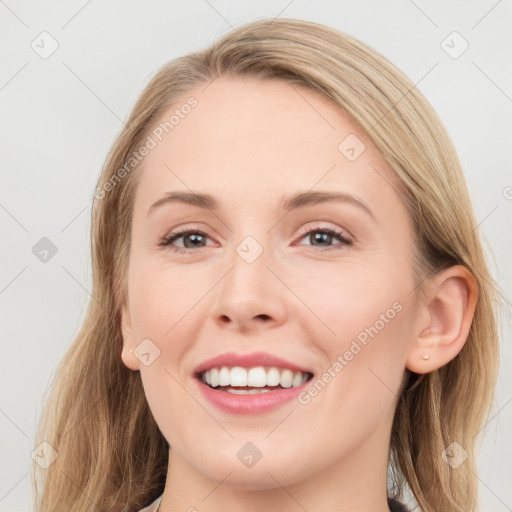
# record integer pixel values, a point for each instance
(111, 454)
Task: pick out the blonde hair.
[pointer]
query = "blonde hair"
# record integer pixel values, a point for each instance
(110, 450)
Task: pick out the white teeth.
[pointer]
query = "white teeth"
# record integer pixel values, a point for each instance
(297, 379)
(286, 378)
(238, 377)
(247, 391)
(214, 376)
(273, 377)
(256, 377)
(224, 376)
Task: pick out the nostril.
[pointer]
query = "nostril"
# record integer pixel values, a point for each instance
(263, 316)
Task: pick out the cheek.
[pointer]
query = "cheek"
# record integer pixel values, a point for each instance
(356, 394)
(350, 297)
(363, 336)
(162, 307)
(162, 296)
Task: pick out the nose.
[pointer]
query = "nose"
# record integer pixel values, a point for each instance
(249, 296)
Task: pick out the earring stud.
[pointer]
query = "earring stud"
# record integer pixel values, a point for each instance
(425, 356)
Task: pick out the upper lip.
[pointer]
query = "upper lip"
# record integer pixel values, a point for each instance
(231, 359)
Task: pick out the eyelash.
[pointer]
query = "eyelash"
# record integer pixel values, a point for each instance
(169, 239)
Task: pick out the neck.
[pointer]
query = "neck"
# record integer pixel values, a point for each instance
(357, 482)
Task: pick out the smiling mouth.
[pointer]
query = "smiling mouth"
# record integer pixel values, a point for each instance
(254, 380)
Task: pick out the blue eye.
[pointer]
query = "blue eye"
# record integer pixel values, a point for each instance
(196, 238)
(326, 235)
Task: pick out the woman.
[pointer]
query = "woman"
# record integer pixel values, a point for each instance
(290, 300)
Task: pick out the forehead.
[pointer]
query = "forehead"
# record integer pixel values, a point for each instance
(262, 115)
(251, 137)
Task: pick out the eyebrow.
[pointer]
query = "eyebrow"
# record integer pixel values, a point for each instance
(294, 202)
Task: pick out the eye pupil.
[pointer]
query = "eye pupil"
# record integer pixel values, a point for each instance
(321, 237)
(193, 237)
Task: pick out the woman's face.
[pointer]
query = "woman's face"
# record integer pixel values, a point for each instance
(258, 274)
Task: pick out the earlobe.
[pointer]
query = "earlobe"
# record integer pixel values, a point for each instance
(127, 355)
(446, 317)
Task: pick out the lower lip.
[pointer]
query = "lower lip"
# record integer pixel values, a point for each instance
(248, 404)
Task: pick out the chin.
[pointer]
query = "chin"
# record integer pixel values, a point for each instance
(255, 480)
(263, 475)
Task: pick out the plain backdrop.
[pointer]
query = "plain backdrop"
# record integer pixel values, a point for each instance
(61, 112)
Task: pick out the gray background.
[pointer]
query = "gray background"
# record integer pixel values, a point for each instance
(60, 115)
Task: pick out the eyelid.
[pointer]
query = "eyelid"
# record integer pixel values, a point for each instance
(344, 238)
(176, 234)
(322, 225)
(303, 230)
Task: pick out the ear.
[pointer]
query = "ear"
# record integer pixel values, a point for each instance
(127, 355)
(444, 319)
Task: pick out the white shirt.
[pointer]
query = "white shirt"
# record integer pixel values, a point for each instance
(153, 506)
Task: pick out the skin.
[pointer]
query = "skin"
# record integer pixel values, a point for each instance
(250, 143)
